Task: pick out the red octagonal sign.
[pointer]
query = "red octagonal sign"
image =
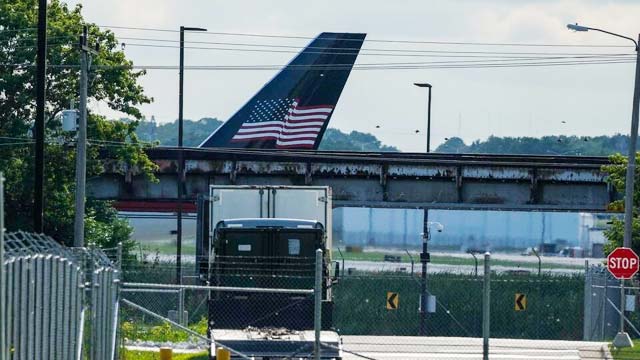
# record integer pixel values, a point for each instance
(623, 263)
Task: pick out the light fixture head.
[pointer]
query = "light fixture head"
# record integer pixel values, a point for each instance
(186, 28)
(576, 27)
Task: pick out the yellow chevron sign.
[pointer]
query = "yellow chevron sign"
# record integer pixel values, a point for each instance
(520, 302)
(392, 300)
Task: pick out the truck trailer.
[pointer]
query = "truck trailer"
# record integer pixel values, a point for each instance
(264, 239)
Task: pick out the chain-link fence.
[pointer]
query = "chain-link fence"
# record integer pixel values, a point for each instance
(253, 307)
(377, 314)
(551, 305)
(603, 303)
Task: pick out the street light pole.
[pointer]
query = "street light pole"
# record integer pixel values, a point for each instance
(622, 339)
(181, 175)
(428, 86)
(628, 200)
(633, 136)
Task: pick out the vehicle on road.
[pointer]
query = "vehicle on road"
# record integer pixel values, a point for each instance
(264, 239)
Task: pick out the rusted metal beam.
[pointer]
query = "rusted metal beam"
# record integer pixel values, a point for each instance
(380, 179)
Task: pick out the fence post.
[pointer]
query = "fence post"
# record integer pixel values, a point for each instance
(119, 257)
(486, 306)
(3, 333)
(604, 306)
(317, 324)
(181, 307)
(622, 338)
(116, 324)
(587, 317)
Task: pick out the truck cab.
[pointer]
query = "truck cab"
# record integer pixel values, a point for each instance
(269, 250)
(268, 254)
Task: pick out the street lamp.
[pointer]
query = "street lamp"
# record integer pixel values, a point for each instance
(181, 176)
(633, 137)
(427, 85)
(622, 338)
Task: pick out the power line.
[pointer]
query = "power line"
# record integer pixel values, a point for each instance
(338, 53)
(380, 66)
(5, 47)
(122, 142)
(22, 143)
(413, 67)
(352, 48)
(17, 30)
(370, 40)
(35, 39)
(15, 138)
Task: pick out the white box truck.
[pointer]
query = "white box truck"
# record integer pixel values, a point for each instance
(265, 237)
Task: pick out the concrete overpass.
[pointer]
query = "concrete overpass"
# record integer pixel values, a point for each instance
(362, 179)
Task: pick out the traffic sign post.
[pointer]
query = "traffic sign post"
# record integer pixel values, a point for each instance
(623, 264)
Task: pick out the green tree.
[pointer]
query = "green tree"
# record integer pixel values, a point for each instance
(454, 145)
(335, 139)
(196, 131)
(112, 82)
(546, 145)
(167, 134)
(616, 177)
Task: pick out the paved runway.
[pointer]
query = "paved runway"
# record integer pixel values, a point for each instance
(418, 348)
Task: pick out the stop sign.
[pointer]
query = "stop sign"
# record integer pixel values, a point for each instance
(623, 263)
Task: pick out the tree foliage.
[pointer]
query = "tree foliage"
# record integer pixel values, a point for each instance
(112, 82)
(196, 131)
(546, 145)
(167, 134)
(616, 177)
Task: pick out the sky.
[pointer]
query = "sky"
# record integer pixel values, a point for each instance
(472, 103)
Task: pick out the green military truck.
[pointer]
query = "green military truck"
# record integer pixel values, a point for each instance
(264, 239)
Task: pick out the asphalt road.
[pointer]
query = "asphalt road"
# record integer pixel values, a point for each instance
(418, 348)
(376, 266)
(379, 266)
(454, 348)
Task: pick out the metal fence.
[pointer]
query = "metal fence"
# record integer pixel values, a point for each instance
(58, 303)
(55, 302)
(242, 309)
(378, 314)
(602, 303)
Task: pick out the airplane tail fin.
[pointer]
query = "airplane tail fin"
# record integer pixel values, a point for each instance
(294, 108)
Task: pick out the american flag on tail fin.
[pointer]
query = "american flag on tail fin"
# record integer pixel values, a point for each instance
(284, 121)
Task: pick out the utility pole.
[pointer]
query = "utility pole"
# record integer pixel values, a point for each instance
(81, 143)
(3, 314)
(181, 174)
(41, 70)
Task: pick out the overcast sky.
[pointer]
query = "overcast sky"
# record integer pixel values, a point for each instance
(469, 103)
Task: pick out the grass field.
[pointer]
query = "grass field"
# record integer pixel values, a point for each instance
(451, 260)
(626, 353)
(167, 248)
(153, 355)
(554, 306)
(190, 249)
